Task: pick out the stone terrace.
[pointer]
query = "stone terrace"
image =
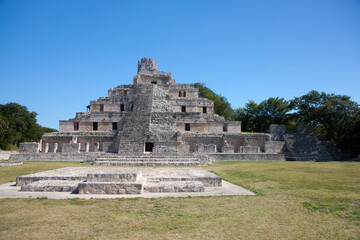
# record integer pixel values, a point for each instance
(103, 180)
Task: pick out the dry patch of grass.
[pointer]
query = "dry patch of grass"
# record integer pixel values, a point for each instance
(292, 203)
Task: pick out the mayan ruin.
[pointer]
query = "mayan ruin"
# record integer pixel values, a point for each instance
(154, 121)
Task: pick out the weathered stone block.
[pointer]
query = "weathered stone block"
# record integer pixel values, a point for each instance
(131, 176)
(70, 147)
(227, 149)
(200, 148)
(274, 147)
(210, 148)
(110, 188)
(51, 186)
(249, 149)
(172, 186)
(29, 147)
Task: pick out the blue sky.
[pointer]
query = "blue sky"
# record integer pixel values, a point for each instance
(56, 56)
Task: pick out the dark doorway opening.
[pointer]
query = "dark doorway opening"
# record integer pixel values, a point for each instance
(76, 126)
(149, 146)
(187, 126)
(114, 126)
(204, 110)
(122, 107)
(153, 82)
(183, 108)
(95, 126)
(225, 128)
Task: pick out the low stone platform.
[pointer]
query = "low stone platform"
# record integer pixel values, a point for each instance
(113, 180)
(51, 186)
(10, 163)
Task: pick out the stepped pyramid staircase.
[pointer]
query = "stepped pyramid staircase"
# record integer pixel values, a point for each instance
(305, 146)
(147, 118)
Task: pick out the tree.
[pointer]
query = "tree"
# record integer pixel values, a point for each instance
(4, 134)
(258, 117)
(334, 115)
(221, 105)
(18, 125)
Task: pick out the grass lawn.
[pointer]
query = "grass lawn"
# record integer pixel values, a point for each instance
(295, 200)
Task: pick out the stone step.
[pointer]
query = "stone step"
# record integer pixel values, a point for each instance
(110, 188)
(174, 186)
(146, 163)
(148, 159)
(129, 176)
(51, 186)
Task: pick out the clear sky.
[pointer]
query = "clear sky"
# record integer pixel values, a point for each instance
(56, 56)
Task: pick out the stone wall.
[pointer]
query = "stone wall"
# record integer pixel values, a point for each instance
(55, 157)
(70, 147)
(245, 157)
(29, 147)
(4, 155)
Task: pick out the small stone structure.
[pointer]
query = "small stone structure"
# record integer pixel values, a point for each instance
(89, 180)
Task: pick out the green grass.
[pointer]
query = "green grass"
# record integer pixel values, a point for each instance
(331, 187)
(9, 174)
(295, 200)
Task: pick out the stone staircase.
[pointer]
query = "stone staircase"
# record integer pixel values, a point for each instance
(146, 160)
(305, 147)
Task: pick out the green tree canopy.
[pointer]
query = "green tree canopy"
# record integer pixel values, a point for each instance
(258, 117)
(334, 115)
(221, 105)
(17, 125)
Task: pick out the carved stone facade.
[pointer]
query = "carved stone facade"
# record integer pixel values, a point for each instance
(154, 116)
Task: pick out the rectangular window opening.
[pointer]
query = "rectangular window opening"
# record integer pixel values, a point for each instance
(184, 94)
(95, 126)
(125, 92)
(76, 126)
(225, 128)
(204, 110)
(187, 126)
(183, 108)
(153, 82)
(114, 126)
(180, 94)
(101, 107)
(149, 146)
(122, 107)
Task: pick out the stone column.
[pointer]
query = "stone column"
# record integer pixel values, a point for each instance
(55, 147)
(96, 147)
(46, 147)
(40, 145)
(87, 147)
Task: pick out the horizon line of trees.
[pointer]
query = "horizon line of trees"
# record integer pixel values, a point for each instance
(18, 125)
(336, 116)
